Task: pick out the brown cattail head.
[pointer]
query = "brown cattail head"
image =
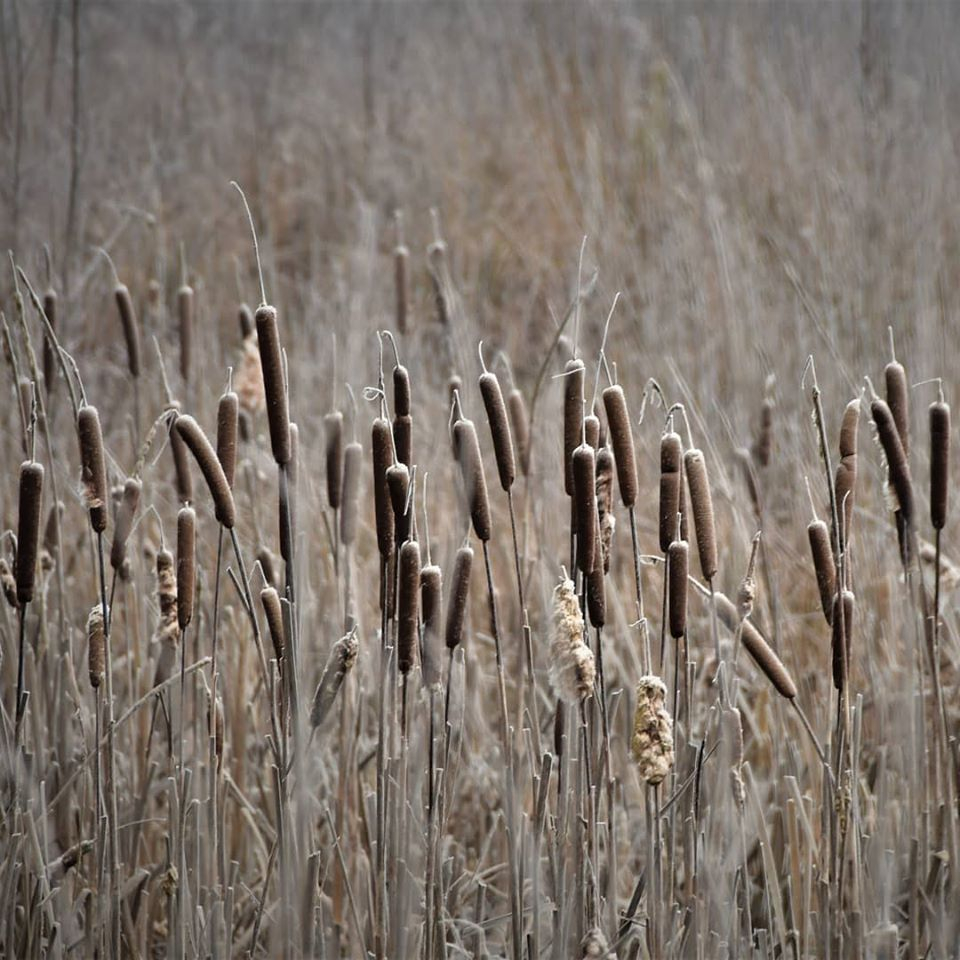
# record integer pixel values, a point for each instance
(585, 505)
(671, 480)
(678, 564)
(621, 439)
(343, 655)
(93, 475)
(499, 428)
(467, 449)
(271, 363)
(123, 524)
(401, 261)
(939, 462)
(403, 438)
(701, 502)
(596, 597)
(573, 379)
(382, 461)
(185, 319)
(245, 316)
(131, 330)
(572, 671)
(605, 519)
(28, 529)
(408, 606)
(398, 483)
(181, 466)
(898, 399)
(431, 600)
(848, 429)
(333, 432)
(287, 507)
(96, 646)
(186, 565)
(273, 611)
(898, 469)
(845, 479)
(652, 740)
(228, 414)
(823, 565)
(520, 421)
(459, 596)
(763, 442)
(268, 566)
(198, 444)
(843, 612)
(402, 405)
(49, 357)
(591, 430)
(352, 467)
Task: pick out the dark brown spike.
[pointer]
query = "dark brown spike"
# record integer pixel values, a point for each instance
(585, 506)
(228, 414)
(763, 444)
(596, 597)
(186, 565)
(573, 381)
(333, 432)
(401, 259)
(898, 399)
(50, 363)
(28, 529)
(274, 387)
(499, 428)
(382, 461)
(403, 439)
(898, 469)
(408, 606)
(352, 471)
(678, 563)
(129, 502)
(939, 463)
(459, 597)
(671, 479)
(131, 330)
(287, 496)
(402, 405)
(701, 502)
(247, 326)
(842, 637)
(273, 611)
(206, 457)
(183, 478)
(93, 466)
(823, 565)
(467, 448)
(431, 613)
(621, 439)
(520, 421)
(398, 483)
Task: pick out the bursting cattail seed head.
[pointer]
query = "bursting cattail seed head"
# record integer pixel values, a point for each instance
(585, 506)
(898, 469)
(499, 428)
(185, 318)
(93, 467)
(520, 422)
(228, 415)
(621, 439)
(271, 363)
(198, 444)
(8, 583)
(678, 562)
(939, 462)
(273, 611)
(131, 331)
(573, 379)
(431, 600)
(352, 468)
(671, 480)
(408, 605)
(343, 655)
(572, 671)
(96, 646)
(701, 502)
(382, 461)
(823, 565)
(605, 520)
(186, 565)
(467, 448)
(129, 502)
(333, 432)
(459, 597)
(652, 739)
(28, 529)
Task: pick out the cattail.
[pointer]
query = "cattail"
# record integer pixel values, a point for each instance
(401, 259)
(398, 483)
(758, 648)
(123, 524)
(274, 388)
(333, 432)
(702, 503)
(459, 596)
(845, 478)
(842, 635)
(621, 439)
(96, 646)
(288, 498)
(898, 399)
(499, 428)
(431, 600)
(939, 462)
(467, 449)
(382, 461)
(268, 566)
(343, 655)
(185, 317)
(181, 466)
(352, 467)
(131, 330)
(8, 583)
(186, 565)
(591, 431)
(93, 468)
(49, 357)
(403, 438)
(436, 260)
(408, 605)
(763, 442)
(678, 564)
(28, 529)
(572, 672)
(198, 444)
(671, 480)
(520, 422)
(652, 740)
(585, 505)
(823, 565)
(51, 531)
(228, 412)
(747, 465)
(574, 375)
(898, 469)
(245, 316)
(273, 611)
(605, 520)
(596, 597)
(402, 405)
(215, 727)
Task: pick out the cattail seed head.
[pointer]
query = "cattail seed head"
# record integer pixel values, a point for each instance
(763, 443)
(652, 740)
(596, 597)
(273, 611)
(129, 502)
(459, 597)
(96, 646)
(93, 468)
(49, 357)
(403, 438)
(382, 461)
(431, 600)
(849, 426)
(398, 483)
(591, 430)
(898, 469)
(520, 422)
(28, 529)
(401, 260)
(228, 415)
(408, 606)
(185, 318)
(585, 505)
(467, 449)
(181, 466)
(671, 480)
(499, 428)
(678, 563)
(131, 330)
(701, 502)
(898, 399)
(167, 590)
(271, 363)
(572, 672)
(573, 379)
(268, 566)
(245, 316)
(402, 405)
(352, 468)
(823, 565)
(287, 495)
(939, 462)
(842, 636)
(845, 478)
(186, 565)
(333, 432)
(621, 439)
(343, 655)
(198, 444)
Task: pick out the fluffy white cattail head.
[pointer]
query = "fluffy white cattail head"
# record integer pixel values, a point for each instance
(572, 670)
(652, 740)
